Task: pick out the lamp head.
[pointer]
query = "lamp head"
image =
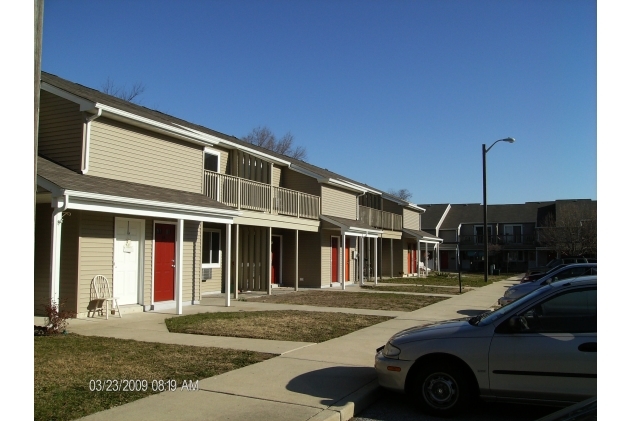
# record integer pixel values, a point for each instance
(509, 140)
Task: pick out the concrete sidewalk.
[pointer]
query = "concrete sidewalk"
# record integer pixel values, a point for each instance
(328, 381)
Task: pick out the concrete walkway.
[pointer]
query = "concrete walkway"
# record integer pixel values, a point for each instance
(328, 381)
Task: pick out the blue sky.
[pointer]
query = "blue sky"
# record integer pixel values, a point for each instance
(396, 94)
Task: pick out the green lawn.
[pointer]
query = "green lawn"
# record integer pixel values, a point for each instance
(65, 365)
(285, 325)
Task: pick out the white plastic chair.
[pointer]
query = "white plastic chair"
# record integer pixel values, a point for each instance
(100, 293)
(423, 269)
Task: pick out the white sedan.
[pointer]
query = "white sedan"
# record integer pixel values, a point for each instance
(540, 348)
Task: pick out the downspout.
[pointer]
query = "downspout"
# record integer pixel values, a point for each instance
(85, 159)
(357, 206)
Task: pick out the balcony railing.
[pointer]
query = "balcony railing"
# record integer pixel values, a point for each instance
(380, 219)
(252, 195)
(498, 239)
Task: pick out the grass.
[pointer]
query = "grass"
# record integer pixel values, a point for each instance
(65, 364)
(376, 301)
(284, 325)
(449, 279)
(415, 288)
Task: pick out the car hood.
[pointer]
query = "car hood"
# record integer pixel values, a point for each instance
(452, 328)
(521, 289)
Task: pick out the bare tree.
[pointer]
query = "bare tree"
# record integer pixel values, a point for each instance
(571, 230)
(121, 91)
(263, 137)
(403, 194)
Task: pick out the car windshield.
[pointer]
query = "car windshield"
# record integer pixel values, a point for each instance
(489, 317)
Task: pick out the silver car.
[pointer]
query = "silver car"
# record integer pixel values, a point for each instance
(568, 271)
(540, 348)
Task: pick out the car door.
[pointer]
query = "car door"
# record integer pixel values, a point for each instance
(551, 353)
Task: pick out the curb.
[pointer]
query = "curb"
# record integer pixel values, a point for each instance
(351, 405)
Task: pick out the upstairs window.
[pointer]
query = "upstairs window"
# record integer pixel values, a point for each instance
(211, 161)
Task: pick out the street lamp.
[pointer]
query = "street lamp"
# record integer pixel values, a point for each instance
(486, 234)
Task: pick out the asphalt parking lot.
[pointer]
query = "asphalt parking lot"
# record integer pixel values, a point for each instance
(395, 407)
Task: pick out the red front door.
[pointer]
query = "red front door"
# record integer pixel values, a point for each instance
(444, 260)
(347, 257)
(275, 260)
(164, 261)
(335, 253)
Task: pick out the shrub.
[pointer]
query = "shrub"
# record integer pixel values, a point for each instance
(57, 319)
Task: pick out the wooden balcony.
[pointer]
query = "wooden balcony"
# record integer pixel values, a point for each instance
(380, 219)
(252, 195)
(502, 240)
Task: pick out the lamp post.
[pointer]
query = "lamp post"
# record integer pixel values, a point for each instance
(486, 234)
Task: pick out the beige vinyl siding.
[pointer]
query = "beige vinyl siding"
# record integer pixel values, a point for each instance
(124, 152)
(191, 262)
(96, 252)
(309, 257)
(296, 181)
(410, 219)
(215, 282)
(276, 174)
(43, 218)
(325, 262)
(60, 136)
(337, 202)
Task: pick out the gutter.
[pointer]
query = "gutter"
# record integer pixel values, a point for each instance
(85, 159)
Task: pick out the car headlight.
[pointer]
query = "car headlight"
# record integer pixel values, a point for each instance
(391, 351)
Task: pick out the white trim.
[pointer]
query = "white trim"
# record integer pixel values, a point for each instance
(442, 218)
(153, 254)
(84, 104)
(179, 259)
(212, 265)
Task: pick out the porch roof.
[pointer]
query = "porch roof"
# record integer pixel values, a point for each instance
(125, 194)
(422, 236)
(351, 226)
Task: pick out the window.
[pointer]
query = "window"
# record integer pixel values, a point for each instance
(211, 248)
(479, 233)
(512, 234)
(211, 161)
(569, 312)
(515, 256)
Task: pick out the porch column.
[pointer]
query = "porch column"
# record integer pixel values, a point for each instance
(297, 279)
(391, 260)
(418, 259)
(179, 253)
(269, 262)
(369, 260)
(438, 257)
(426, 258)
(343, 281)
(361, 260)
(375, 261)
(55, 253)
(236, 266)
(228, 262)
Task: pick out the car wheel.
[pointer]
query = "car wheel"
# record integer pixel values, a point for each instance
(441, 389)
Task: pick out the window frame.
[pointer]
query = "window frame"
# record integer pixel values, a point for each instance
(212, 152)
(212, 264)
(521, 234)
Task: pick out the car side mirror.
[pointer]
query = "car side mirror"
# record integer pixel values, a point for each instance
(517, 324)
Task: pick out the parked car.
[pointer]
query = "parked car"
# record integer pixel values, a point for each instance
(558, 274)
(556, 262)
(538, 349)
(532, 278)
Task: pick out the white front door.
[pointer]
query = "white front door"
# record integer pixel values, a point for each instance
(127, 260)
